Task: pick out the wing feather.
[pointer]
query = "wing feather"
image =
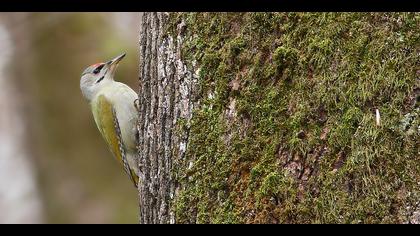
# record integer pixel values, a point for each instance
(107, 122)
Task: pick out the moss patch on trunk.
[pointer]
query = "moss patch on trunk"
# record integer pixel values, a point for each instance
(286, 131)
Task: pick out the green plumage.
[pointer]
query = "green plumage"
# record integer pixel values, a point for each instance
(107, 122)
(113, 108)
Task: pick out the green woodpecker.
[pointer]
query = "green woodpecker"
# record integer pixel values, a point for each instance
(113, 106)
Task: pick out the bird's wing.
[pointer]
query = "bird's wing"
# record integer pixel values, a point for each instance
(107, 122)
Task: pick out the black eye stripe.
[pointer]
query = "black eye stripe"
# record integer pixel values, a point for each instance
(98, 69)
(100, 79)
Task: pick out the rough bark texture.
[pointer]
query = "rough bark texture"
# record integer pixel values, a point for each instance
(284, 130)
(165, 95)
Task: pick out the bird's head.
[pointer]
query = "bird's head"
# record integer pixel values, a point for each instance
(97, 75)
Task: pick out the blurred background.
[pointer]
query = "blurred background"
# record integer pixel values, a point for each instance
(54, 165)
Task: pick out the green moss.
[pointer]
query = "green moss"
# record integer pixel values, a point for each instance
(304, 146)
(285, 57)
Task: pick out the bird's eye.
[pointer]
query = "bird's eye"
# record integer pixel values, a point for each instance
(98, 69)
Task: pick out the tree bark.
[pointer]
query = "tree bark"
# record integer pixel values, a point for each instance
(284, 126)
(165, 96)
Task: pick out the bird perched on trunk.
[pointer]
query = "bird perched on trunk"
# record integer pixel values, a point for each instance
(113, 106)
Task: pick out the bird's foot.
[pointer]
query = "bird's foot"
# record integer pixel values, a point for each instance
(137, 104)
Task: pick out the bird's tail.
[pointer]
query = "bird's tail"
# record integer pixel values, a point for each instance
(134, 177)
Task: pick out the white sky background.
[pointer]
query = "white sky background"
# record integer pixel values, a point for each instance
(19, 199)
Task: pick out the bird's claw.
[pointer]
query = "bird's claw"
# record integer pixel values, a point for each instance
(137, 104)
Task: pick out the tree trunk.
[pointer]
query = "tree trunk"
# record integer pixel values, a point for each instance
(166, 89)
(279, 126)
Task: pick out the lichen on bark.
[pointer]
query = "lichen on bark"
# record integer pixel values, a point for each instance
(166, 96)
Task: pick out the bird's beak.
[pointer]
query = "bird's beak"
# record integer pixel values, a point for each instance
(112, 64)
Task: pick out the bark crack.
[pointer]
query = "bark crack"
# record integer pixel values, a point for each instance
(164, 94)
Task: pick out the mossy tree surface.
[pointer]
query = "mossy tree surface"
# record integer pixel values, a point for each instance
(285, 129)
